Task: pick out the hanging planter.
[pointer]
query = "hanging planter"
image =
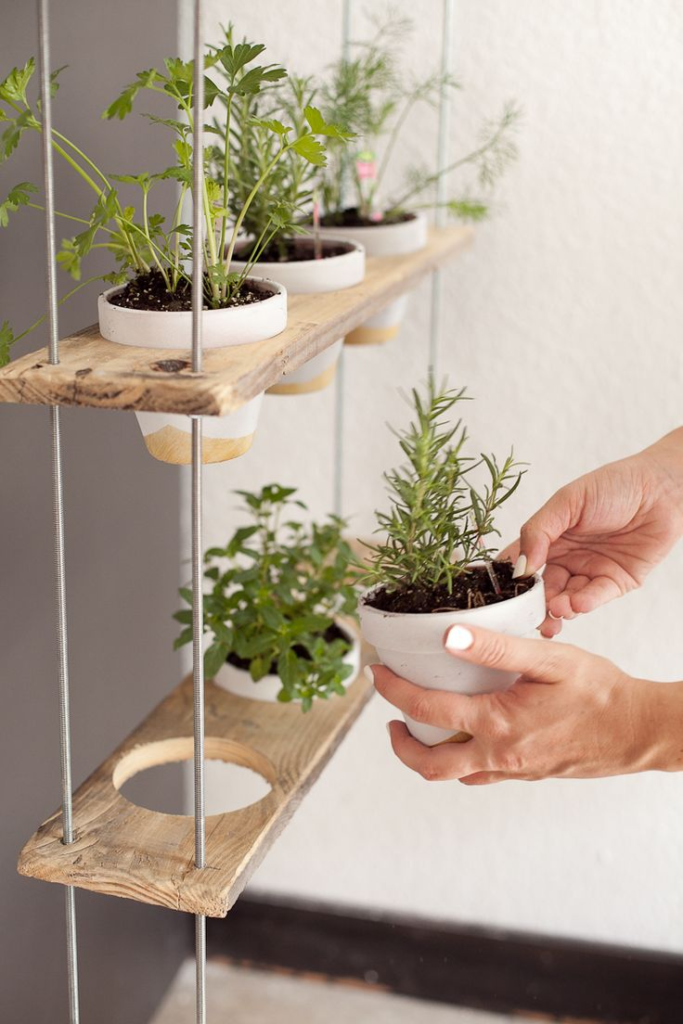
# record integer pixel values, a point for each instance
(169, 437)
(397, 238)
(434, 569)
(237, 679)
(306, 269)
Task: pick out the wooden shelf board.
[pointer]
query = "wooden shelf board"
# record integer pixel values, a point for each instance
(97, 373)
(125, 850)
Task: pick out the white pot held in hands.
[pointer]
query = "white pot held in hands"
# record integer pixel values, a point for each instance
(412, 647)
(312, 277)
(169, 437)
(384, 240)
(238, 680)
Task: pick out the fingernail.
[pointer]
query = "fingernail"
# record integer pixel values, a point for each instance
(458, 639)
(389, 729)
(369, 674)
(520, 567)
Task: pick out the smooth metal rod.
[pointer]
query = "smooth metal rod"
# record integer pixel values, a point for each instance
(58, 504)
(197, 543)
(338, 457)
(441, 163)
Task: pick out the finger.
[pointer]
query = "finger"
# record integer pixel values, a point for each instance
(561, 605)
(485, 778)
(549, 523)
(440, 708)
(555, 579)
(550, 627)
(535, 659)
(435, 764)
(510, 553)
(597, 592)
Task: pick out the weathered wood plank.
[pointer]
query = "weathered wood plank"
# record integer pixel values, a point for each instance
(129, 851)
(97, 373)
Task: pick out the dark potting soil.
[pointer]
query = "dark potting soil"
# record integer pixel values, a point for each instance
(471, 590)
(352, 219)
(148, 292)
(331, 634)
(295, 250)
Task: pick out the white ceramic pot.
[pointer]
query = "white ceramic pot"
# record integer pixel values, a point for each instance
(169, 437)
(312, 277)
(412, 647)
(238, 681)
(384, 240)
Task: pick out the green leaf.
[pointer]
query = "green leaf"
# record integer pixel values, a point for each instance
(184, 638)
(310, 149)
(319, 126)
(235, 58)
(224, 634)
(18, 196)
(270, 124)
(123, 104)
(13, 88)
(184, 616)
(214, 659)
(6, 342)
(468, 210)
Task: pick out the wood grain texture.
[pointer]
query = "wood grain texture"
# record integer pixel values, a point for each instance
(98, 373)
(125, 850)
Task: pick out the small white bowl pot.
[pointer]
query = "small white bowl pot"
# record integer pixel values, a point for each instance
(412, 647)
(238, 680)
(313, 277)
(384, 240)
(169, 437)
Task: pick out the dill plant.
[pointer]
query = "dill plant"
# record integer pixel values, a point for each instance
(438, 524)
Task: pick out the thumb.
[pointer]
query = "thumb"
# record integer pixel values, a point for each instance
(539, 532)
(538, 660)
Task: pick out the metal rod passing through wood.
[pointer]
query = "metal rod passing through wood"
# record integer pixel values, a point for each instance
(58, 503)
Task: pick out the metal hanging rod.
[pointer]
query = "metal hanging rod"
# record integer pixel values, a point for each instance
(58, 504)
(441, 163)
(197, 505)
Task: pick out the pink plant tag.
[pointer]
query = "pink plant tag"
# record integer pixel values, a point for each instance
(366, 166)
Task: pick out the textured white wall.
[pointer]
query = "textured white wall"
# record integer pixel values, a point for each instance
(564, 322)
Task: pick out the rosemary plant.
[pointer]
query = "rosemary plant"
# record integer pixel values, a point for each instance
(438, 522)
(371, 91)
(140, 241)
(277, 586)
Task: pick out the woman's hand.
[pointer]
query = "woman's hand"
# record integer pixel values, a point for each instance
(570, 714)
(602, 534)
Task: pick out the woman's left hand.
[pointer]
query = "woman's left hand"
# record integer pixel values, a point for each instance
(570, 714)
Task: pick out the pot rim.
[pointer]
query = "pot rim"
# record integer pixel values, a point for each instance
(369, 610)
(413, 215)
(277, 291)
(355, 248)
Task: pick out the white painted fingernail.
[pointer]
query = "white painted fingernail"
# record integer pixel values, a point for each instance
(369, 674)
(458, 639)
(520, 567)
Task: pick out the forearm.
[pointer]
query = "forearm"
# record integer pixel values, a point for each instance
(665, 458)
(663, 727)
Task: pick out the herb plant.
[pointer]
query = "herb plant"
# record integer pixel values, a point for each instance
(277, 586)
(438, 522)
(372, 91)
(140, 241)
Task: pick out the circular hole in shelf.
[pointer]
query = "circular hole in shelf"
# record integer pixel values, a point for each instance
(158, 776)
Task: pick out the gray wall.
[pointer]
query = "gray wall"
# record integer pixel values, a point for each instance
(122, 542)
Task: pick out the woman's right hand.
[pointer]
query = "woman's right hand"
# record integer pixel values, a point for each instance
(602, 534)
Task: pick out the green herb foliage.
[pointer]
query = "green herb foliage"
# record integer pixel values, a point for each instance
(277, 586)
(138, 239)
(373, 92)
(437, 523)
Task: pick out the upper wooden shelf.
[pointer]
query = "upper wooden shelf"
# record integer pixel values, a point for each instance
(100, 374)
(125, 850)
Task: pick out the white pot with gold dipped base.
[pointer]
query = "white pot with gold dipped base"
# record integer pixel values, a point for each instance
(168, 437)
(341, 265)
(396, 239)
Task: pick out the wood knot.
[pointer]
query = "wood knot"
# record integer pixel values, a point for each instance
(171, 365)
(83, 373)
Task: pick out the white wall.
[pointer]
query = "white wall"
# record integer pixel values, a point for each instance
(564, 322)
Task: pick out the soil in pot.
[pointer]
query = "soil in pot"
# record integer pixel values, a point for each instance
(332, 633)
(295, 250)
(472, 589)
(351, 218)
(148, 292)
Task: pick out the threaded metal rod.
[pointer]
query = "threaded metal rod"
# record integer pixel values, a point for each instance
(441, 163)
(58, 503)
(197, 594)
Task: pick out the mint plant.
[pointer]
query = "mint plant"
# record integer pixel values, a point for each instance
(276, 588)
(439, 523)
(372, 91)
(141, 241)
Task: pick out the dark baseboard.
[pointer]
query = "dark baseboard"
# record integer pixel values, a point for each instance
(462, 965)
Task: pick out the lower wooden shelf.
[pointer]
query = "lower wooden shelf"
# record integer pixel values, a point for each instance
(125, 850)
